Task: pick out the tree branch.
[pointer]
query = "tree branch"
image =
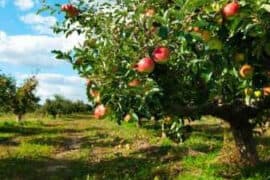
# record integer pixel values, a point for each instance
(232, 113)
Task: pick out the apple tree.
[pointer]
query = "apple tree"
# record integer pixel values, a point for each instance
(18, 100)
(24, 99)
(175, 58)
(7, 89)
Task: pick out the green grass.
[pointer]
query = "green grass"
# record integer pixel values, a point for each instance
(79, 147)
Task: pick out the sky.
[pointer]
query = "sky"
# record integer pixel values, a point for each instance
(26, 41)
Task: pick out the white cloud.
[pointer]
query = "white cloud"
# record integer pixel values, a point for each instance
(3, 36)
(3, 3)
(34, 50)
(71, 87)
(41, 24)
(24, 4)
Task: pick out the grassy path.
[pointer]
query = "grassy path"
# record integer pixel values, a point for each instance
(78, 147)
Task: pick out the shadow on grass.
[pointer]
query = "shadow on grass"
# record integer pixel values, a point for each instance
(145, 166)
(68, 142)
(52, 141)
(209, 129)
(8, 141)
(232, 171)
(28, 131)
(261, 171)
(75, 117)
(264, 141)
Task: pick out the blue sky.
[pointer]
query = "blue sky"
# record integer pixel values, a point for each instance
(25, 44)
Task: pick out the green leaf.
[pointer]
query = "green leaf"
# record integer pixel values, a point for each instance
(266, 7)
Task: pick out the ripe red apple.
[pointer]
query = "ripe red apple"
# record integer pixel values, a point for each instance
(70, 10)
(145, 65)
(100, 111)
(161, 54)
(231, 9)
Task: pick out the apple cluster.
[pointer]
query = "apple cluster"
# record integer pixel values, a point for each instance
(147, 65)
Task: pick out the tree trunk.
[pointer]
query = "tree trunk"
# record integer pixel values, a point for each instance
(245, 143)
(19, 117)
(163, 134)
(139, 123)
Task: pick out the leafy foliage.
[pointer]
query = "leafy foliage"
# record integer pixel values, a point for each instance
(24, 99)
(7, 89)
(202, 67)
(218, 64)
(19, 100)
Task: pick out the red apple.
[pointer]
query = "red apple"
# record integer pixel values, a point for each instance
(231, 9)
(100, 111)
(70, 10)
(161, 54)
(145, 65)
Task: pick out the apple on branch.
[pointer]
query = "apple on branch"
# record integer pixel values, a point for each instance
(161, 54)
(71, 10)
(231, 9)
(145, 65)
(100, 111)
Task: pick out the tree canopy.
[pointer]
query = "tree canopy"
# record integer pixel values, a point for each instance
(177, 58)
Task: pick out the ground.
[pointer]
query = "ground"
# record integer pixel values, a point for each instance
(79, 147)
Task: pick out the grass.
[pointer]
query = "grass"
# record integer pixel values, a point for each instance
(79, 147)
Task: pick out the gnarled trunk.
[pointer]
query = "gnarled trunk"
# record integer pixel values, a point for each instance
(245, 143)
(237, 115)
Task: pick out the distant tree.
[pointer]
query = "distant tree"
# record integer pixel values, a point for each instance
(7, 90)
(19, 100)
(62, 106)
(24, 99)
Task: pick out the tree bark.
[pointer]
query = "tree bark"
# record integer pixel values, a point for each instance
(245, 143)
(19, 117)
(238, 116)
(139, 123)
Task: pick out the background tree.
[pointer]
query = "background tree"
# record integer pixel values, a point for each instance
(24, 100)
(18, 100)
(188, 59)
(7, 90)
(59, 105)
